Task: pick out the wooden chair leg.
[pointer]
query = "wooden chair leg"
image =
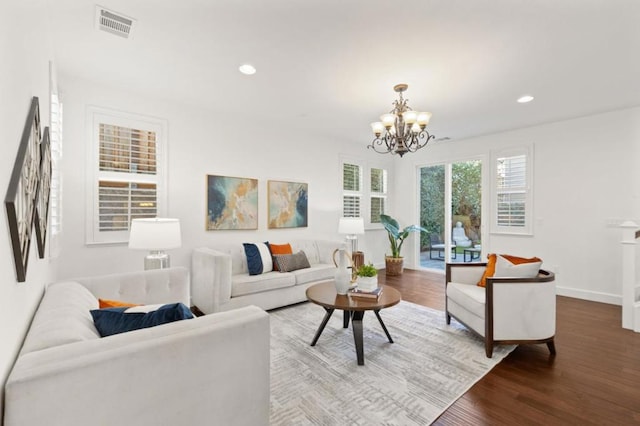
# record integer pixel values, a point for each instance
(488, 348)
(552, 347)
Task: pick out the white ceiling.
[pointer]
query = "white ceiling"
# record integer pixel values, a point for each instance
(332, 64)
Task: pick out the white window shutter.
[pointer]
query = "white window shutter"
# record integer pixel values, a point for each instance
(512, 193)
(128, 170)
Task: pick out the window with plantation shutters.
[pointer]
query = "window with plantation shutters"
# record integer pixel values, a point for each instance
(378, 194)
(55, 195)
(120, 202)
(351, 190)
(128, 183)
(512, 193)
(127, 150)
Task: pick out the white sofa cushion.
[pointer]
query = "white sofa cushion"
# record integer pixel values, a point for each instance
(63, 317)
(309, 247)
(471, 297)
(316, 272)
(243, 284)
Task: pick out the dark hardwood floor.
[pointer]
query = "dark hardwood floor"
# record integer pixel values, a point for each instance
(593, 380)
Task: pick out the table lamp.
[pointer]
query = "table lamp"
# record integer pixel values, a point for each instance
(155, 235)
(352, 227)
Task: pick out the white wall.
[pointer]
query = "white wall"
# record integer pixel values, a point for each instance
(24, 73)
(199, 144)
(585, 181)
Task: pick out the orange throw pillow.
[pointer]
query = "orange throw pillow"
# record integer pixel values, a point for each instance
(491, 265)
(279, 249)
(489, 270)
(107, 303)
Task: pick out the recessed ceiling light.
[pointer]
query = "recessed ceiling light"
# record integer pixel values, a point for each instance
(524, 99)
(247, 69)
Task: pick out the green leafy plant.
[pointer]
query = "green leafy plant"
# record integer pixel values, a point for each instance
(367, 271)
(396, 234)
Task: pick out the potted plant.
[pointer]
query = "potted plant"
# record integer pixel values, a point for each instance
(394, 263)
(367, 277)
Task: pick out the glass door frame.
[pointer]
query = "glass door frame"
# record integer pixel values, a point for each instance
(448, 199)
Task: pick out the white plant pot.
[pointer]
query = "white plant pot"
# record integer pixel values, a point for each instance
(368, 283)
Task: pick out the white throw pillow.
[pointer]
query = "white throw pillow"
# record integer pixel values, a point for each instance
(504, 268)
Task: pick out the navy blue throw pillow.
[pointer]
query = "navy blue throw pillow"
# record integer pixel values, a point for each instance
(111, 321)
(259, 258)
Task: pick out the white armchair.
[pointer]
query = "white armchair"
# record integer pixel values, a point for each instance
(506, 310)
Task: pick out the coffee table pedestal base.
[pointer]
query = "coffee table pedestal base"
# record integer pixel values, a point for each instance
(356, 326)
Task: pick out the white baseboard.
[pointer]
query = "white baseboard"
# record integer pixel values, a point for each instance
(576, 293)
(594, 296)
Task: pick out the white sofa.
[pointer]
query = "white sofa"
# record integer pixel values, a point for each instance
(212, 369)
(221, 280)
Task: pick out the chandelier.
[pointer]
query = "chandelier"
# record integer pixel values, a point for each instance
(402, 130)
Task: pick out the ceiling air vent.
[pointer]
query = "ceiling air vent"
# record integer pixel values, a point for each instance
(113, 22)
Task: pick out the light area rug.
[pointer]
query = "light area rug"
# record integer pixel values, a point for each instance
(409, 382)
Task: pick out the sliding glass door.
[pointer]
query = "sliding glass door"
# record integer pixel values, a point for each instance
(454, 234)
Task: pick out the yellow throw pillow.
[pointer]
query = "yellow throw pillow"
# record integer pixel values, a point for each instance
(505, 265)
(107, 303)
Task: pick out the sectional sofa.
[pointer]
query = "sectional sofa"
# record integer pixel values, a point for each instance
(208, 370)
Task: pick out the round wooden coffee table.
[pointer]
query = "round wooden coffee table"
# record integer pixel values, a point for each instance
(324, 294)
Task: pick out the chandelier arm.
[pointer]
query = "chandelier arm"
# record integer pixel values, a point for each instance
(387, 141)
(419, 140)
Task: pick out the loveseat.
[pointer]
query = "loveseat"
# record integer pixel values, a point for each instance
(212, 369)
(221, 280)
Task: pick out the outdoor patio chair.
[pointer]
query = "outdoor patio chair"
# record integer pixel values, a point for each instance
(436, 244)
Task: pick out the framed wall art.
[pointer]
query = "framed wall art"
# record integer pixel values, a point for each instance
(44, 192)
(232, 203)
(20, 199)
(288, 204)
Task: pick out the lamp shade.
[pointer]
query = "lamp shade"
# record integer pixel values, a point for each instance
(351, 225)
(155, 234)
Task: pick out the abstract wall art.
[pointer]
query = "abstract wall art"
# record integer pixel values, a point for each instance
(288, 204)
(20, 201)
(232, 203)
(44, 192)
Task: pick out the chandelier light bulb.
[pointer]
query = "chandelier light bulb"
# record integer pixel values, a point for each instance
(388, 120)
(377, 128)
(423, 118)
(410, 117)
(415, 128)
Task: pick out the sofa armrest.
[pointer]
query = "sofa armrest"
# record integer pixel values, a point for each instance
(522, 308)
(214, 368)
(145, 287)
(465, 273)
(211, 279)
(326, 249)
